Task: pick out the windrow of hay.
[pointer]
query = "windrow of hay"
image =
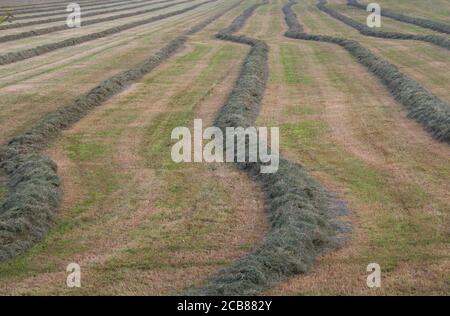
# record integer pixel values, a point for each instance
(421, 105)
(433, 25)
(57, 28)
(302, 214)
(13, 57)
(85, 14)
(437, 40)
(33, 184)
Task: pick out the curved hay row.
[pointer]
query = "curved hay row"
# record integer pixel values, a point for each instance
(301, 212)
(13, 57)
(432, 25)
(33, 184)
(85, 14)
(422, 105)
(57, 28)
(437, 40)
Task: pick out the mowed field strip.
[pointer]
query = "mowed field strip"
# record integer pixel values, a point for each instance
(138, 223)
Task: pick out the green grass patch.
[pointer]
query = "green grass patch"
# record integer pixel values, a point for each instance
(407, 239)
(301, 110)
(80, 148)
(181, 65)
(157, 144)
(254, 25)
(275, 21)
(112, 132)
(290, 59)
(190, 213)
(303, 133)
(196, 54)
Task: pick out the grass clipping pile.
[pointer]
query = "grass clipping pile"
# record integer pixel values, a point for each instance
(303, 215)
(33, 185)
(422, 105)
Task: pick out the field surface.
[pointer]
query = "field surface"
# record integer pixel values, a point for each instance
(140, 224)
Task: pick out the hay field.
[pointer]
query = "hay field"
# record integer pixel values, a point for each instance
(86, 173)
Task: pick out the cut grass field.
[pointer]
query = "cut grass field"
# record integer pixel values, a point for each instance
(138, 223)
